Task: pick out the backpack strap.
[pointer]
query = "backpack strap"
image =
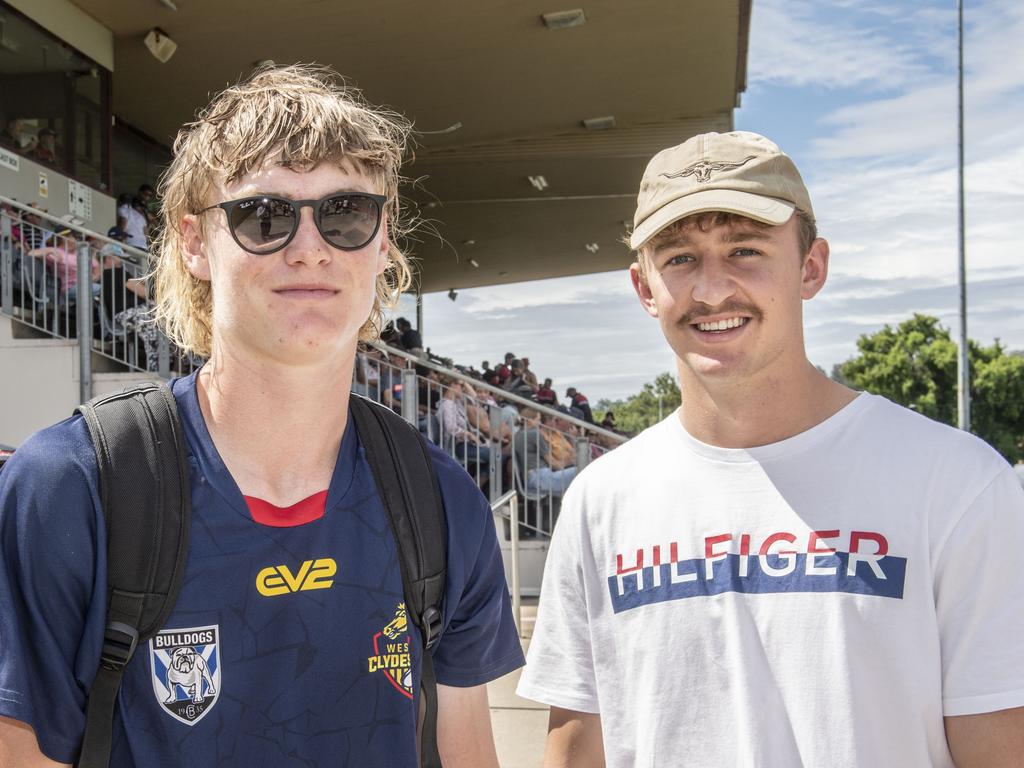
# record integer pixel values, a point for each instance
(144, 490)
(408, 488)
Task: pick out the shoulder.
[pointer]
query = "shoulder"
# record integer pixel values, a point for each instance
(916, 441)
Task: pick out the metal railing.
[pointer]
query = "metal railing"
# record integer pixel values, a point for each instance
(68, 282)
(504, 441)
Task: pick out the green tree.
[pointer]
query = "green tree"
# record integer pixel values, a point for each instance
(639, 411)
(915, 364)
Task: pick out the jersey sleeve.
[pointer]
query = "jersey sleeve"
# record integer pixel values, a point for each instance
(49, 649)
(479, 642)
(978, 587)
(560, 667)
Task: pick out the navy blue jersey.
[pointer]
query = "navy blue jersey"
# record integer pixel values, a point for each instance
(288, 646)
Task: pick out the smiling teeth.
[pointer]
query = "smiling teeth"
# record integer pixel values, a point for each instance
(722, 325)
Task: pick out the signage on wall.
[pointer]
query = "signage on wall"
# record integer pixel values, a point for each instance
(9, 160)
(44, 185)
(79, 200)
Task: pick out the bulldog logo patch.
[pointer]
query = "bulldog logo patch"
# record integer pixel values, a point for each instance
(185, 669)
(392, 652)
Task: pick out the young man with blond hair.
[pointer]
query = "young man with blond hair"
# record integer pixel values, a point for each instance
(277, 256)
(783, 572)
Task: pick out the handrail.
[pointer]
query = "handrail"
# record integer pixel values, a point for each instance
(140, 256)
(502, 500)
(504, 393)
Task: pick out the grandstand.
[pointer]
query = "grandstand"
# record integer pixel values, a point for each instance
(533, 134)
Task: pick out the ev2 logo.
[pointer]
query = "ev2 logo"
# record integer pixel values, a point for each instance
(313, 574)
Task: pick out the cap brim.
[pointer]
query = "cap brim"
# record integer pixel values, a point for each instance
(768, 210)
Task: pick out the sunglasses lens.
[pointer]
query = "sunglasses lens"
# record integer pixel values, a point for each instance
(349, 221)
(262, 224)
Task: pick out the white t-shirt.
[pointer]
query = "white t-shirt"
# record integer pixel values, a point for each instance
(135, 226)
(659, 611)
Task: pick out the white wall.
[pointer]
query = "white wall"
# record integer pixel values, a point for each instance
(72, 25)
(39, 383)
(24, 186)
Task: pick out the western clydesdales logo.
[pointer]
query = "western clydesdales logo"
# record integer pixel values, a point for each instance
(392, 653)
(185, 666)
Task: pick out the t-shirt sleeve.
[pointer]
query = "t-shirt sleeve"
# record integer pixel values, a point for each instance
(560, 666)
(479, 642)
(978, 587)
(48, 580)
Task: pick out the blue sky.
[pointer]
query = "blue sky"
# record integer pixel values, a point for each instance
(862, 95)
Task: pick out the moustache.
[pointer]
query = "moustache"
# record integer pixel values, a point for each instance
(730, 308)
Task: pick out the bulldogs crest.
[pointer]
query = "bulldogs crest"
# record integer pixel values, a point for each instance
(392, 652)
(185, 670)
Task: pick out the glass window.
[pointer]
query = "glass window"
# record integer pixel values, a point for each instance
(54, 102)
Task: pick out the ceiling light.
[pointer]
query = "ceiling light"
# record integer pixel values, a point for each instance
(160, 45)
(469, 242)
(599, 123)
(539, 182)
(474, 263)
(592, 247)
(564, 19)
(168, 4)
(263, 63)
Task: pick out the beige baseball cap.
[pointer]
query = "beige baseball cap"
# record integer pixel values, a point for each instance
(737, 172)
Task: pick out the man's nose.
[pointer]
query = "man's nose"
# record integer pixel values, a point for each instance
(308, 245)
(713, 284)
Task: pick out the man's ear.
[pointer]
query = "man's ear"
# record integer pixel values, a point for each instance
(815, 269)
(193, 251)
(642, 288)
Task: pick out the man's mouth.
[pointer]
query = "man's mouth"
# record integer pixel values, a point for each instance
(720, 326)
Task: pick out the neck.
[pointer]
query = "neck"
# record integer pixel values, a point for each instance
(277, 427)
(734, 413)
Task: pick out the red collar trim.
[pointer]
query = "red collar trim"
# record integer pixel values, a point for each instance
(302, 512)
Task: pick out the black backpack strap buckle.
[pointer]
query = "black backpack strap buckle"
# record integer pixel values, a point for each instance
(119, 643)
(432, 621)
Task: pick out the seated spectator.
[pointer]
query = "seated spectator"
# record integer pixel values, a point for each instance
(559, 432)
(529, 376)
(459, 436)
(116, 233)
(504, 371)
(410, 338)
(390, 336)
(516, 384)
(46, 149)
(608, 422)
(579, 400)
(486, 373)
(545, 394)
(63, 257)
(16, 134)
(545, 472)
(120, 290)
(131, 219)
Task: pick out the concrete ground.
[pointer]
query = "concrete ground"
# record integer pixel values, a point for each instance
(520, 725)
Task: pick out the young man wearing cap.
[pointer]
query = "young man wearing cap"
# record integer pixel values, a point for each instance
(783, 572)
(289, 643)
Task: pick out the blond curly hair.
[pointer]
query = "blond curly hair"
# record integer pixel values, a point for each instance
(300, 116)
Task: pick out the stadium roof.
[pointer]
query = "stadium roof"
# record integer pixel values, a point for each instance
(517, 89)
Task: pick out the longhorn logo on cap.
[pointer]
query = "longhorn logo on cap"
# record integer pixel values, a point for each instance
(702, 170)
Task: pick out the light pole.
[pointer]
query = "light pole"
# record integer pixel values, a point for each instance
(963, 399)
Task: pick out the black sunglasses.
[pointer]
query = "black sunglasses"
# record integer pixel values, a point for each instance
(265, 224)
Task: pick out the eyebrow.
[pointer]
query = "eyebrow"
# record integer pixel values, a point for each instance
(734, 236)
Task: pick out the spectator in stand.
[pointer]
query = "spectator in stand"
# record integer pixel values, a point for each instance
(63, 257)
(546, 395)
(391, 336)
(410, 338)
(546, 470)
(488, 373)
(529, 376)
(608, 422)
(516, 384)
(504, 371)
(559, 432)
(116, 233)
(120, 289)
(458, 435)
(579, 400)
(46, 149)
(132, 221)
(17, 135)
